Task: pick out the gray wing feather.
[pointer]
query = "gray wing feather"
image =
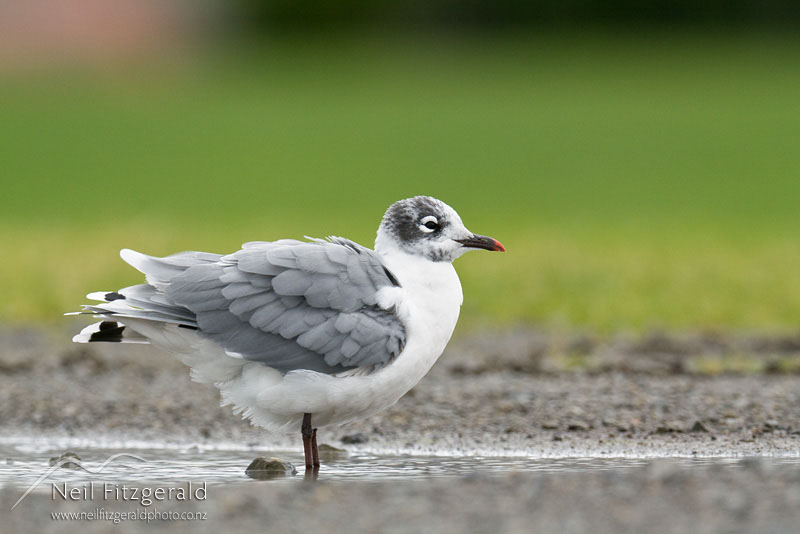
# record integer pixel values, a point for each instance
(358, 274)
(141, 301)
(257, 263)
(244, 306)
(159, 271)
(240, 290)
(294, 305)
(285, 257)
(314, 259)
(324, 292)
(146, 297)
(293, 282)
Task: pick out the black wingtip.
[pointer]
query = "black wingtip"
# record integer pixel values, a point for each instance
(110, 297)
(109, 332)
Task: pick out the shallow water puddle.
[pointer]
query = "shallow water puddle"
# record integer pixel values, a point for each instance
(22, 466)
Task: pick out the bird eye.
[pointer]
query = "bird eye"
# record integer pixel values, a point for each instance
(429, 224)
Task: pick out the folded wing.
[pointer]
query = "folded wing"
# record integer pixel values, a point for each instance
(289, 304)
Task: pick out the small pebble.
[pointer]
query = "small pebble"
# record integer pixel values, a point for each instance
(66, 464)
(269, 468)
(698, 426)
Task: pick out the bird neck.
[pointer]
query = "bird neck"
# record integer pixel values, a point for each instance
(429, 284)
(384, 244)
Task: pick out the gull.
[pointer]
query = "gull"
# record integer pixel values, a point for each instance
(289, 330)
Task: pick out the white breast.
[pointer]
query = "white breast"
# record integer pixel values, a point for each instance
(429, 298)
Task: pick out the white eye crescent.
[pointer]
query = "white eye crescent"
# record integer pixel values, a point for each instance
(429, 224)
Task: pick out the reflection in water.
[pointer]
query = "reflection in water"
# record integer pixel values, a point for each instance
(22, 468)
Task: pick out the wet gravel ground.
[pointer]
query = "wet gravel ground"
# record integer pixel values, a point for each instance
(506, 393)
(493, 398)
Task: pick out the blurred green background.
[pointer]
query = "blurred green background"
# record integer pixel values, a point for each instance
(640, 175)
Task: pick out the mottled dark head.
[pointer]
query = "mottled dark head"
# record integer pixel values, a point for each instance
(428, 227)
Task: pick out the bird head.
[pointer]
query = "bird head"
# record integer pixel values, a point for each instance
(426, 226)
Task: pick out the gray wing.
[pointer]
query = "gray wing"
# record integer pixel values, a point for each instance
(295, 305)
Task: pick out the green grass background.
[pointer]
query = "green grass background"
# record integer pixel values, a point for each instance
(638, 181)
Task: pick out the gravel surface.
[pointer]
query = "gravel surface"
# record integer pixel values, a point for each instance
(489, 397)
(504, 393)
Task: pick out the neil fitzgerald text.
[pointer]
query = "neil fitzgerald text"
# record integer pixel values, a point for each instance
(144, 496)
